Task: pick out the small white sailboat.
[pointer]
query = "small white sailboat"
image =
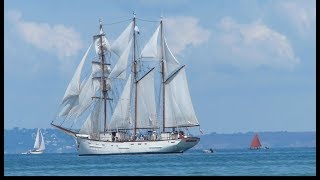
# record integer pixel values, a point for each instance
(39, 146)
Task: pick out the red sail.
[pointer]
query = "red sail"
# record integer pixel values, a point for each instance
(255, 142)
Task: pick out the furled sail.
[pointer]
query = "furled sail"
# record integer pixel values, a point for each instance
(37, 141)
(105, 44)
(96, 68)
(151, 48)
(121, 117)
(119, 70)
(91, 125)
(146, 105)
(120, 44)
(179, 109)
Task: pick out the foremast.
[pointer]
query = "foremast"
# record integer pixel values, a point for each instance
(103, 81)
(103, 78)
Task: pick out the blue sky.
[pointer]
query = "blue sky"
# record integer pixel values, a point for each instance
(251, 64)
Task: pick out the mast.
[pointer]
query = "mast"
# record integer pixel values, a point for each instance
(162, 74)
(135, 75)
(103, 81)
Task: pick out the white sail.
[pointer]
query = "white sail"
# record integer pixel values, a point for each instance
(73, 88)
(42, 144)
(121, 117)
(120, 44)
(69, 103)
(88, 91)
(151, 48)
(37, 141)
(105, 44)
(171, 63)
(146, 105)
(119, 70)
(91, 125)
(86, 127)
(178, 105)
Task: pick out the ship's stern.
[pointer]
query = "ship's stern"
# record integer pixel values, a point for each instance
(187, 143)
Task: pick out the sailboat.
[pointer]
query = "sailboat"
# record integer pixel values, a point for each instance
(131, 101)
(255, 143)
(39, 144)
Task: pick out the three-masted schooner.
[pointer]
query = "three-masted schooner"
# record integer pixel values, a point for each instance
(154, 110)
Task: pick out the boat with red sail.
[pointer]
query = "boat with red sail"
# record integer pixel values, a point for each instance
(255, 143)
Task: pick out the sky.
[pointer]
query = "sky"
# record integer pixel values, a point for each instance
(251, 64)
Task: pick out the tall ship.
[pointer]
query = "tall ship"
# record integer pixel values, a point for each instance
(132, 100)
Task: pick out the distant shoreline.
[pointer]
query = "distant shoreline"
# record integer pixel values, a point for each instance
(203, 134)
(18, 140)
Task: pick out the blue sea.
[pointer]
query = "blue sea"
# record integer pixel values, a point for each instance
(224, 162)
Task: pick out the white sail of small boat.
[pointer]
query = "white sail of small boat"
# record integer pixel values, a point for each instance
(39, 144)
(132, 101)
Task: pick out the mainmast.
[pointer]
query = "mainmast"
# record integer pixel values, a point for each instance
(135, 75)
(162, 73)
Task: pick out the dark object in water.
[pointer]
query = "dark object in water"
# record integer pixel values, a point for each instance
(208, 151)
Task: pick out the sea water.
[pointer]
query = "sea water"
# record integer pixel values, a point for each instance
(224, 162)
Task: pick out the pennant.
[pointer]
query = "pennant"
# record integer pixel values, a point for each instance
(136, 29)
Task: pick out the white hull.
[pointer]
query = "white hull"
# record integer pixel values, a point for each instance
(36, 152)
(95, 147)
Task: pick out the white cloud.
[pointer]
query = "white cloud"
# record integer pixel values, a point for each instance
(253, 45)
(302, 14)
(58, 39)
(182, 31)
